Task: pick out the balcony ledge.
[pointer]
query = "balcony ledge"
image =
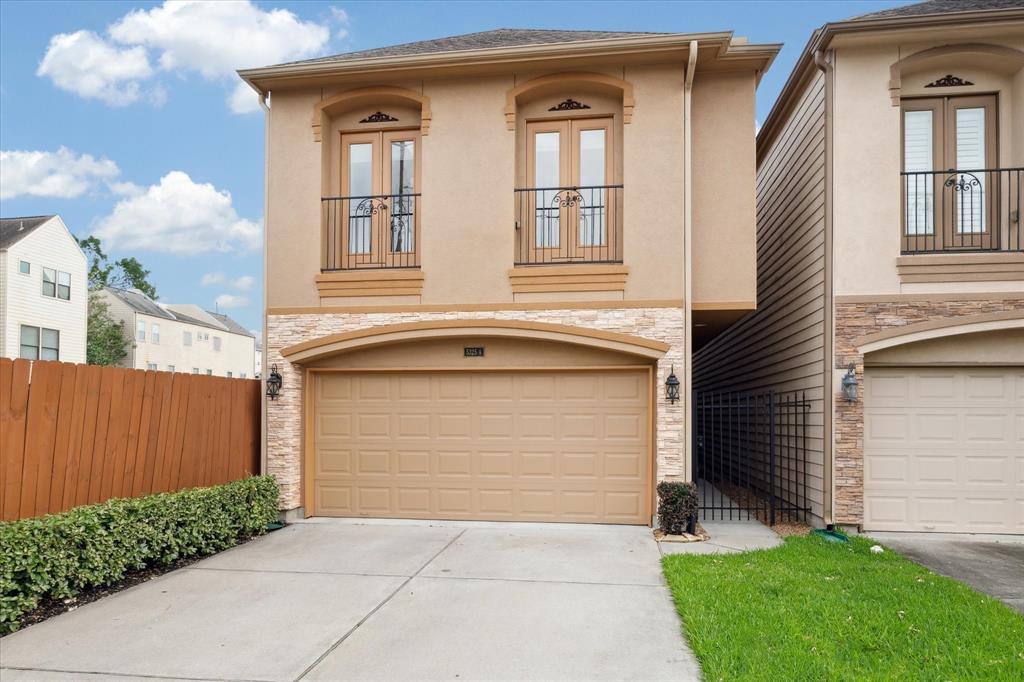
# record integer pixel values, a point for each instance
(370, 282)
(562, 278)
(1000, 266)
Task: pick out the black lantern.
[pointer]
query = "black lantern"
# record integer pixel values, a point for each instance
(672, 386)
(273, 383)
(850, 383)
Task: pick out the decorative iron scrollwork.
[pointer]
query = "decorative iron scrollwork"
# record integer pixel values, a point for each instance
(370, 206)
(569, 105)
(962, 182)
(567, 198)
(379, 117)
(948, 81)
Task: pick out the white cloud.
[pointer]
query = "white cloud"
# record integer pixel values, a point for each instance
(178, 216)
(231, 301)
(243, 99)
(341, 18)
(87, 65)
(61, 174)
(213, 39)
(212, 278)
(244, 283)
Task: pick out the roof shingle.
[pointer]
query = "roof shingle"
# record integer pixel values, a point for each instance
(941, 7)
(12, 230)
(482, 40)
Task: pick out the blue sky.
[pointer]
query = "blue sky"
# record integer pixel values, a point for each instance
(124, 118)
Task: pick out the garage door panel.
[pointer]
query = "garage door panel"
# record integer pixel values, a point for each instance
(942, 450)
(505, 457)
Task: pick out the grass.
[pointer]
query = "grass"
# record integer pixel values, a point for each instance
(814, 610)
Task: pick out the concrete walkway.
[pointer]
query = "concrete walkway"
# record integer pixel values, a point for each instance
(727, 537)
(993, 564)
(329, 600)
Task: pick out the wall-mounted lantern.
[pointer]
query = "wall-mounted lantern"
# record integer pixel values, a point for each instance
(274, 383)
(850, 384)
(672, 386)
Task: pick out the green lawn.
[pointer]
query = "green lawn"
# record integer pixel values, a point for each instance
(814, 610)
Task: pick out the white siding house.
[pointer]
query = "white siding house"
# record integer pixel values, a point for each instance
(44, 294)
(171, 337)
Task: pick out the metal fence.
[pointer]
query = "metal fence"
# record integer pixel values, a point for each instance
(568, 225)
(750, 455)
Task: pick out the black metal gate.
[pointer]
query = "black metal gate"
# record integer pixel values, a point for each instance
(750, 455)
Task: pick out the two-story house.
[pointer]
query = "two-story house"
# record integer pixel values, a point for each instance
(44, 294)
(488, 260)
(173, 337)
(891, 267)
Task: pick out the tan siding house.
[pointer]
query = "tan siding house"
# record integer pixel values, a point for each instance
(484, 256)
(891, 260)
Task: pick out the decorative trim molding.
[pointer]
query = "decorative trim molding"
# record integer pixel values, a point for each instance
(931, 297)
(404, 282)
(474, 307)
(416, 331)
(961, 267)
(948, 81)
(561, 278)
(376, 95)
(1007, 59)
(571, 80)
(569, 104)
(933, 329)
(379, 117)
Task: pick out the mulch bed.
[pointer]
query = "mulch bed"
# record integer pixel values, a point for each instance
(785, 525)
(50, 607)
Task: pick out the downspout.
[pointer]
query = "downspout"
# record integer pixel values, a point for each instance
(266, 223)
(822, 61)
(691, 64)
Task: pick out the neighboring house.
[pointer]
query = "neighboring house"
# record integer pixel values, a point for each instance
(483, 256)
(171, 337)
(44, 294)
(890, 176)
(259, 360)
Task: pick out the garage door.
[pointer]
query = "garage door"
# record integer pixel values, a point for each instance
(524, 446)
(944, 449)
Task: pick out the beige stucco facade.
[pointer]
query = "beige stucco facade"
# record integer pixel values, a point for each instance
(471, 110)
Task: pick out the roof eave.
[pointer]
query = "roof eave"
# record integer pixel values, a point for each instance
(822, 38)
(260, 78)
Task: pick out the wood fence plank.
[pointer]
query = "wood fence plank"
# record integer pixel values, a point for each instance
(74, 452)
(134, 424)
(185, 474)
(175, 436)
(92, 406)
(116, 433)
(254, 421)
(109, 377)
(14, 441)
(142, 440)
(155, 479)
(38, 434)
(236, 459)
(65, 416)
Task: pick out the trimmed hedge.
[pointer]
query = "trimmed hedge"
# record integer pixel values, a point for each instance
(677, 504)
(60, 555)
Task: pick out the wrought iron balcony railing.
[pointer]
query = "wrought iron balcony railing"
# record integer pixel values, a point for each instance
(962, 210)
(377, 231)
(561, 225)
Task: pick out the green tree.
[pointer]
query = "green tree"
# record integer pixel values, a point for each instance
(124, 273)
(106, 341)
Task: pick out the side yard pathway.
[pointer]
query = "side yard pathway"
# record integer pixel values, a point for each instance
(323, 600)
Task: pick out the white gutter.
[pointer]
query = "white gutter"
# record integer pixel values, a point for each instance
(691, 66)
(266, 223)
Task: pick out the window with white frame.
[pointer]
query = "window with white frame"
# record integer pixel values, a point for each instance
(25, 268)
(140, 330)
(241, 375)
(155, 333)
(151, 366)
(170, 368)
(216, 343)
(195, 370)
(64, 286)
(229, 375)
(39, 343)
(49, 283)
(186, 338)
(209, 372)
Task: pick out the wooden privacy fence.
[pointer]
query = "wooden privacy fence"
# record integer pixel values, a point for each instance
(79, 434)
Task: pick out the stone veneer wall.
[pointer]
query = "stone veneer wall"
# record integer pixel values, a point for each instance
(285, 416)
(853, 321)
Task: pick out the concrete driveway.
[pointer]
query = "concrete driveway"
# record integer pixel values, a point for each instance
(993, 564)
(333, 600)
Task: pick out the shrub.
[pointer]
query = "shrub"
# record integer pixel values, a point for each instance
(60, 555)
(677, 504)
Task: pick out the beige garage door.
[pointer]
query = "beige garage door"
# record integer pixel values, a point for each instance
(523, 446)
(944, 449)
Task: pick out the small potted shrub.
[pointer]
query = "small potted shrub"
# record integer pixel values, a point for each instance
(677, 507)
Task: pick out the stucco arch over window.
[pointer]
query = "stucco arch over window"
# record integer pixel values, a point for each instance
(557, 82)
(370, 96)
(994, 58)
